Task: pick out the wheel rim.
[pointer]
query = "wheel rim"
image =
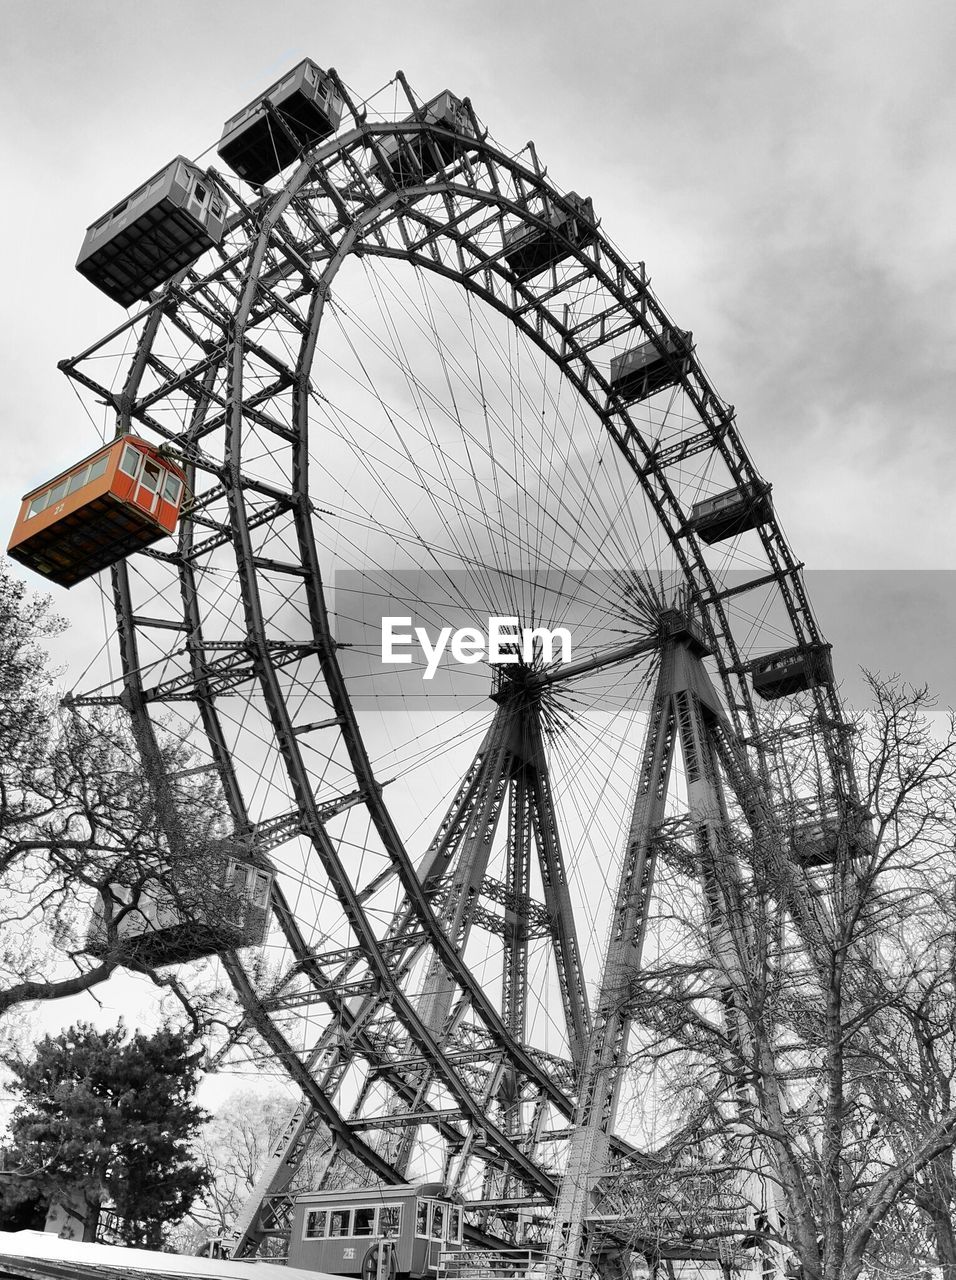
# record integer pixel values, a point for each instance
(224, 369)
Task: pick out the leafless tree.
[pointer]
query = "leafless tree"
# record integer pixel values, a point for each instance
(807, 1016)
(92, 839)
(235, 1147)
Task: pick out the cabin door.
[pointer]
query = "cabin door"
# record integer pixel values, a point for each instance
(436, 1233)
(147, 491)
(199, 201)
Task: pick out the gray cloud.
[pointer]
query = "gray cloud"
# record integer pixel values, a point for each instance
(785, 171)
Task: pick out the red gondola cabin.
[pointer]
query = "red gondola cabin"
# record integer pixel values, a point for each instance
(117, 500)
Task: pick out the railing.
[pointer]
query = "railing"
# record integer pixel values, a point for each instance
(496, 1264)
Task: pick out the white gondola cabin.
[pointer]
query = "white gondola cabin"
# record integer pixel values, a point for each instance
(651, 366)
(818, 841)
(408, 159)
(257, 147)
(530, 249)
(344, 1233)
(792, 671)
(165, 225)
(735, 511)
(220, 905)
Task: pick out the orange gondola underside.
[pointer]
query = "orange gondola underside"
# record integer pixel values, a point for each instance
(97, 525)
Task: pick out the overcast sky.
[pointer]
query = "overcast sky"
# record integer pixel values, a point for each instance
(785, 170)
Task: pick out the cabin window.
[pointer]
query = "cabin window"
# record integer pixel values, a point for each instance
(150, 478)
(217, 209)
(237, 879)
(421, 1218)
(389, 1219)
(77, 480)
(260, 895)
(364, 1222)
(339, 1222)
(129, 463)
(315, 1223)
(438, 1222)
(454, 1225)
(172, 488)
(57, 492)
(38, 503)
(784, 660)
(200, 193)
(98, 467)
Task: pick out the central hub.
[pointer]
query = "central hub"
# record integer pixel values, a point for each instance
(517, 682)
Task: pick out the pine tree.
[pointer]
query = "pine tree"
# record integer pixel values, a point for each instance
(108, 1119)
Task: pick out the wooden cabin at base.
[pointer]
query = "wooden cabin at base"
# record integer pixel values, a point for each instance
(735, 511)
(530, 249)
(408, 159)
(117, 500)
(220, 904)
(792, 671)
(344, 1232)
(257, 147)
(165, 225)
(651, 366)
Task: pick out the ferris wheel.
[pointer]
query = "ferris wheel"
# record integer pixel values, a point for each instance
(405, 376)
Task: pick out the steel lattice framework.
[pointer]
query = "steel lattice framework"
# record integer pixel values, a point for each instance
(403, 1053)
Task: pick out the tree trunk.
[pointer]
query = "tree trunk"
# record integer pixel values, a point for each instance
(945, 1242)
(831, 1174)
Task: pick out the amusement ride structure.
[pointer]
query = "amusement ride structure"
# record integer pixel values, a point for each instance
(400, 372)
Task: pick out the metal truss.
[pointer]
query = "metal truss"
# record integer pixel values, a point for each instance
(410, 1048)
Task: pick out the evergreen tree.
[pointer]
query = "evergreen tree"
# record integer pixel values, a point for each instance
(108, 1119)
